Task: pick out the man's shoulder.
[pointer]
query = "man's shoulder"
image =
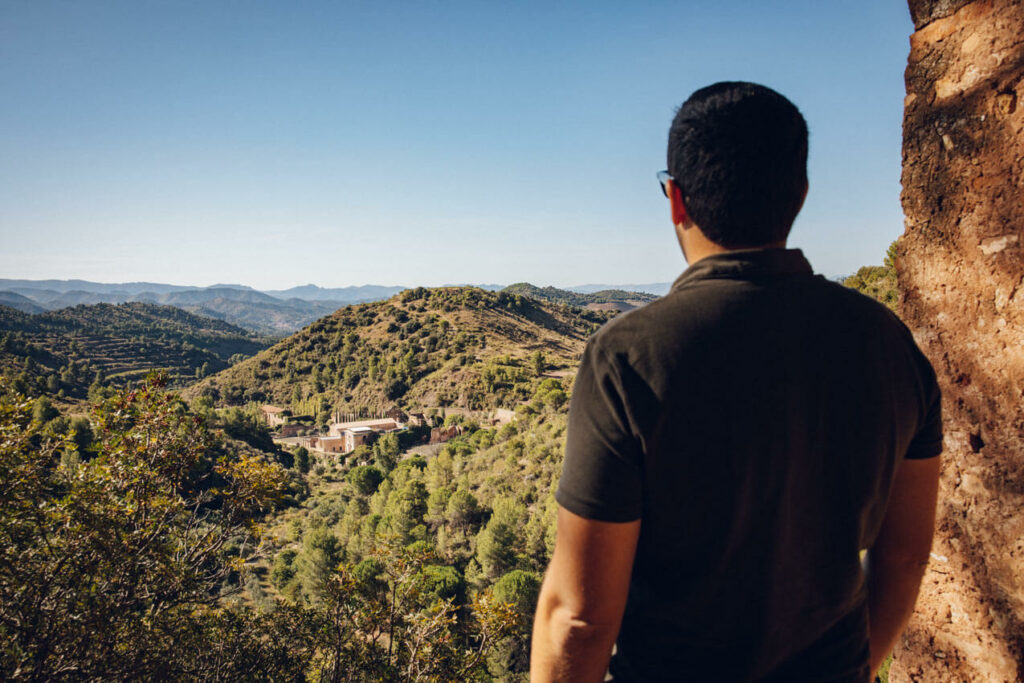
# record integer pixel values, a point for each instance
(705, 303)
(869, 308)
(622, 331)
(647, 338)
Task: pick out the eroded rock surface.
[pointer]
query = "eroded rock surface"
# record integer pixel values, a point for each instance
(961, 272)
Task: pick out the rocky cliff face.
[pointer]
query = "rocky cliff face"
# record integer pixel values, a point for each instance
(961, 272)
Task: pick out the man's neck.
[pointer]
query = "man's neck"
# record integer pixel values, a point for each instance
(696, 245)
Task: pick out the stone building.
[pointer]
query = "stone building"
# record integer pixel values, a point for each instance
(333, 444)
(273, 415)
(357, 436)
(290, 429)
(380, 425)
(442, 434)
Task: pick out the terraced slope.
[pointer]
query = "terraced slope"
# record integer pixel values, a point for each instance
(68, 350)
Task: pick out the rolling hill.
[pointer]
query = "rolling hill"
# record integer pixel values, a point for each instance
(19, 302)
(656, 288)
(67, 350)
(459, 346)
(602, 300)
(248, 308)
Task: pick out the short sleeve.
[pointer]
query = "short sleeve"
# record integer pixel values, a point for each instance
(602, 475)
(927, 442)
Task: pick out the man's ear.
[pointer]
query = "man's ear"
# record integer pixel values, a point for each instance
(675, 200)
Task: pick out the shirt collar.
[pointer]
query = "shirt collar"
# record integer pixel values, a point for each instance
(746, 263)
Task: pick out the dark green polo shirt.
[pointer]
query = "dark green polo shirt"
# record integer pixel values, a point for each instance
(752, 419)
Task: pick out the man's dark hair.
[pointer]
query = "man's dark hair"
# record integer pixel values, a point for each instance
(738, 153)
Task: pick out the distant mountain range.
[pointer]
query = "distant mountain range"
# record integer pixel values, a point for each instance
(20, 303)
(274, 312)
(277, 312)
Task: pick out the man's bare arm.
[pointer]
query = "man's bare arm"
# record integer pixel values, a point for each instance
(897, 561)
(582, 599)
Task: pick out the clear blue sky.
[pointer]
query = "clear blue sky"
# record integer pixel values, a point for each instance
(338, 143)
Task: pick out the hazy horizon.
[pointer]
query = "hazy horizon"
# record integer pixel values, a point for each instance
(241, 285)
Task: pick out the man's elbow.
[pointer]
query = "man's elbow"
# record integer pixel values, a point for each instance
(581, 626)
(905, 559)
(569, 645)
(576, 626)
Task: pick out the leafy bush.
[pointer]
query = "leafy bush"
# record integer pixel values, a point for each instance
(115, 567)
(878, 282)
(365, 479)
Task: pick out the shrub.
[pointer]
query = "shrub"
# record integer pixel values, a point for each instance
(115, 569)
(365, 479)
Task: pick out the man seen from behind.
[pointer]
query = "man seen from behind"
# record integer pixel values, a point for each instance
(734, 446)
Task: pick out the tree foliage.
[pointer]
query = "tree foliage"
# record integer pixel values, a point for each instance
(879, 282)
(117, 566)
(365, 479)
(384, 619)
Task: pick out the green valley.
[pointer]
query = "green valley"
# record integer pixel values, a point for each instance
(351, 563)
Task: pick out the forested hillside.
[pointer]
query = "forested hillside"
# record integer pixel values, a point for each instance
(605, 299)
(470, 525)
(457, 346)
(65, 352)
(402, 564)
(462, 529)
